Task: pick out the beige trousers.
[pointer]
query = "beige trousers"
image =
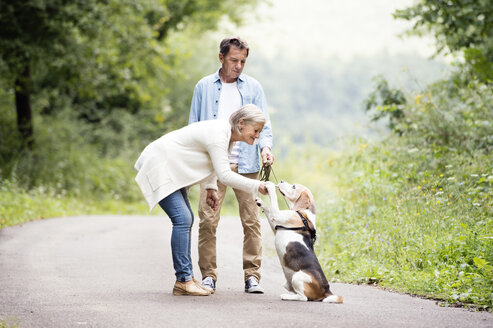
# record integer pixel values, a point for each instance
(252, 240)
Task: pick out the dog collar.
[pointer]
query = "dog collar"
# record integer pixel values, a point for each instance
(306, 227)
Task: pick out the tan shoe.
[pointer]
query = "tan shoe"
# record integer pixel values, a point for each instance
(200, 285)
(189, 288)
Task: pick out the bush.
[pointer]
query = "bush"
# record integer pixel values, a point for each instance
(448, 116)
(414, 212)
(416, 227)
(64, 174)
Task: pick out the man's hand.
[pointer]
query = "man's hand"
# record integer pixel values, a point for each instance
(212, 199)
(267, 156)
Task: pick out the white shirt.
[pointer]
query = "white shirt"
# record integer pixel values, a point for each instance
(229, 102)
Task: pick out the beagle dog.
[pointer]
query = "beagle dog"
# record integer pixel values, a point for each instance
(295, 234)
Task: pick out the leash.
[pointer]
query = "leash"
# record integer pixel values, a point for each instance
(306, 227)
(265, 171)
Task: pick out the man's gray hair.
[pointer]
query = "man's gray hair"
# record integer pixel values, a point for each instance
(235, 42)
(250, 114)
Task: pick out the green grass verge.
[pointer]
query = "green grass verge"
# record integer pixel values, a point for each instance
(18, 206)
(8, 324)
(411, 220)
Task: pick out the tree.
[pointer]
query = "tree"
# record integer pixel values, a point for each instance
(100, 56)
(33, 31)
(461, 26)
(207, 12)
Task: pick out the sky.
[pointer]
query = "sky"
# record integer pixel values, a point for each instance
(331, 27)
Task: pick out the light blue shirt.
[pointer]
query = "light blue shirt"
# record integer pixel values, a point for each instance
(205, 105)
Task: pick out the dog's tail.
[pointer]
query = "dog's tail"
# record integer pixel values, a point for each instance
(332, 299)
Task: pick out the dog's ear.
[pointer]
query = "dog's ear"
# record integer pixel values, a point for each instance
(305, 201)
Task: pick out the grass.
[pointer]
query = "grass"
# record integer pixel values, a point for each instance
(18, 206)
(8, 324)
(424, 227)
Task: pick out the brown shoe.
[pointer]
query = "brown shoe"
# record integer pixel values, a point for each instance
(200, 285)
(189, 288)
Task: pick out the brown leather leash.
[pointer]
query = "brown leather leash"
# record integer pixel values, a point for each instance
(264, 175)
(265, 171)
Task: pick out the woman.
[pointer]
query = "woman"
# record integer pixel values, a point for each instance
(191, 155)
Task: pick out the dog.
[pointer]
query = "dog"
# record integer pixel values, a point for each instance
(295, 234)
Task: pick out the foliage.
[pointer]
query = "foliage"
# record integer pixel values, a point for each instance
(415, 212)
(98, 101)
(35, 29)
(386, 103)
(461, 26)
(64, 175)
(5, 324)
(102, 59)
(100, 88)
(425, 227)
(446, 115)
(18, 206)
(177, 13)
(64, 163)
(418, 228)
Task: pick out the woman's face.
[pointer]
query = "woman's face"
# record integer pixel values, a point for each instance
(250, 132)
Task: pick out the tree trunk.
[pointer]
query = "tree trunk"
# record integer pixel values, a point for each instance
(23, 106)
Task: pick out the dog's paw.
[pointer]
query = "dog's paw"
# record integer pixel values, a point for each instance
(270, 186)
(293, 297)
(259, 202)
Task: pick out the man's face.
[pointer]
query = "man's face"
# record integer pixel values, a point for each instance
(232, 64)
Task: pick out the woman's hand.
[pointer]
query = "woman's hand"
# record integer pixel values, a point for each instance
(262, 189)
(212, 199)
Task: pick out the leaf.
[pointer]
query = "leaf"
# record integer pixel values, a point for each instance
(479, 262)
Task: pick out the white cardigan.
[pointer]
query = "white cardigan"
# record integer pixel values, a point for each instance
(193, 154)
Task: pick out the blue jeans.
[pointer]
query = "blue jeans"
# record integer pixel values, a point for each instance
(179, 211)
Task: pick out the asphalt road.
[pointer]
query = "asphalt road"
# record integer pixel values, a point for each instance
(116, 271)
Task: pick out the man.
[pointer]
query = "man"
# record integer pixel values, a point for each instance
(215, 97)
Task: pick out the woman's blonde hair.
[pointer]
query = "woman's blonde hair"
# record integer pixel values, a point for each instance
(250, 114)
